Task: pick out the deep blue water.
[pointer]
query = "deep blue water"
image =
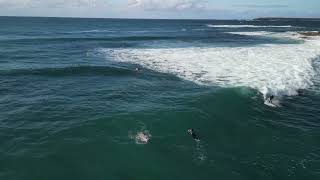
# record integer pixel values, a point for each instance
(75, 92)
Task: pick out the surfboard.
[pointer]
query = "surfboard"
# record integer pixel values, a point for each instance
(269, 104)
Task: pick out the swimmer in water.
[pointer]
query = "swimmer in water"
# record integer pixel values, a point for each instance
(193, 134)
(143, 137)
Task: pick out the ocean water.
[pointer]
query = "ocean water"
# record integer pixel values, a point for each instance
(75, 92)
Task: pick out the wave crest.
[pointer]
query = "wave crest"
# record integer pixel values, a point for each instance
(279, 69)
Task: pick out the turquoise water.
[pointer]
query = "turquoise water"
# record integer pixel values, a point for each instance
(72, 101)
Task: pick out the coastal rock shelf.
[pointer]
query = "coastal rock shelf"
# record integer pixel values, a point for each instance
(310, 33)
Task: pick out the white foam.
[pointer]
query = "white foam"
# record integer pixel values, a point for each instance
(279, 69)
(274, 103)
(245, 26)
(200, 153)
(143, 137)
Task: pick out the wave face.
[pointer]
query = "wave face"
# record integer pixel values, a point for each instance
(270, 68)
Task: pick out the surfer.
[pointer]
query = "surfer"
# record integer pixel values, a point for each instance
(270, 98)
(270, 101)
(193, 134)
(138, 69)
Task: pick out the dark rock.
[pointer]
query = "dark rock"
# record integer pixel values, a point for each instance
(312, 33)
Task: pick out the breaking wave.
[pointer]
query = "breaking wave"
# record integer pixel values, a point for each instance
(280, 69)
(246, 26)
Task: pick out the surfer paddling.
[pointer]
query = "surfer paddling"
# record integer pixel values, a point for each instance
(193, 134)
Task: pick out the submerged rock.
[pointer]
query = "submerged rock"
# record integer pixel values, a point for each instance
(310, 33)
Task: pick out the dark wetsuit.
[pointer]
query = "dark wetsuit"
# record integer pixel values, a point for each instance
(270, 98)
(194, 135)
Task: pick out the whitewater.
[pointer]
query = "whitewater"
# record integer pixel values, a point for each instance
(278, 69)
(246, 26)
